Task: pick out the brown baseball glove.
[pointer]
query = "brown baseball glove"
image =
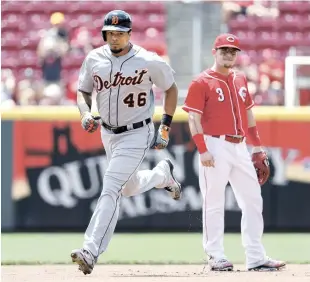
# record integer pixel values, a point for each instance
(261, 164)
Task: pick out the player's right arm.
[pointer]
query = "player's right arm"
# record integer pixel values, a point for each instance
(194, 121)
(84, 97)
(194, 105)
(84, 102)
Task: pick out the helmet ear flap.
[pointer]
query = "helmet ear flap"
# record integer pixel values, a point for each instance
(104, 36)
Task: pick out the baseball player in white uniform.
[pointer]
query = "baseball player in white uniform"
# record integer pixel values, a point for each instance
(123, 75)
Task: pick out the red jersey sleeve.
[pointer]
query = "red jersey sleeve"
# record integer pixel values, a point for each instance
(249, 103)
(195, 99)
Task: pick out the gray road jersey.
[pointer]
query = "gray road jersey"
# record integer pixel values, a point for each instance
(124, 84)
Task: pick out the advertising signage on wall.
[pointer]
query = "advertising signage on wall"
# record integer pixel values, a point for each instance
(58, 173)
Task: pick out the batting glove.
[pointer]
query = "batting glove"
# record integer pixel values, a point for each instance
(89, 123)
(161, 138)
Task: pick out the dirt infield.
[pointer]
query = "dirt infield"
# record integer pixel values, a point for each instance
(170, 273)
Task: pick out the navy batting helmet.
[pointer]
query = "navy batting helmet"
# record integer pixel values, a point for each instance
(116, 20)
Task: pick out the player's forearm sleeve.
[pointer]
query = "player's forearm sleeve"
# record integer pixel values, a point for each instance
(200, 143)
(254, 136)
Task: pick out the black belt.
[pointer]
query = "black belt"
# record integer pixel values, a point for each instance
(121, 129)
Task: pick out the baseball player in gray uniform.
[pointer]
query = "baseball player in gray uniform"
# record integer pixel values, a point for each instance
(123, 74)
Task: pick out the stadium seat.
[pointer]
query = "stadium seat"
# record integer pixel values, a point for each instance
(10, 43)
(64, 7)
(304, 23)
(264, 24)
(36, 7)
(240, 23)
(12, 7)
(289, 22)
(157, 7)
(289, 7)
(129, 7)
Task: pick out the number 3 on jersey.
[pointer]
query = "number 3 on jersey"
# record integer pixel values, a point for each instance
(221, 94)
(242, 93)
(129, 100)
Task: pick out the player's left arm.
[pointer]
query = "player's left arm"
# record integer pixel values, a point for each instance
(170, 100)
(162, 75)
(161, 138)
(259, 156)
(253, 134)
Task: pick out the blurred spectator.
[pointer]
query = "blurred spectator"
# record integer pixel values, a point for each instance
(247, 8)
(233, 8)
(52, 47)
(53, 95)
(8, 84)
(272, 66)
(28, 76)
(58, 29)
(25, 94)
(275, 93)
(250, 70)
(30, 91)
(259, 8)
(65, 43)
(266, 79)
(50, 55)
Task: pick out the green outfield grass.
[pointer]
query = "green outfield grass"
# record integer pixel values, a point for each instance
(160, 248)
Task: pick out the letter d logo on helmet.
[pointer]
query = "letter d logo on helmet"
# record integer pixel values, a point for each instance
(116, 20)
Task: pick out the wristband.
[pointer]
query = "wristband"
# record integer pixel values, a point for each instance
(253, 136)
(200, 143)
(166, 120)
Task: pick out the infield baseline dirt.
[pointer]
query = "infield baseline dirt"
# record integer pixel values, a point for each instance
(148, 273)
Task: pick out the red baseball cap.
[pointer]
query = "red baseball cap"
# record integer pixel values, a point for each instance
(227, 40)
